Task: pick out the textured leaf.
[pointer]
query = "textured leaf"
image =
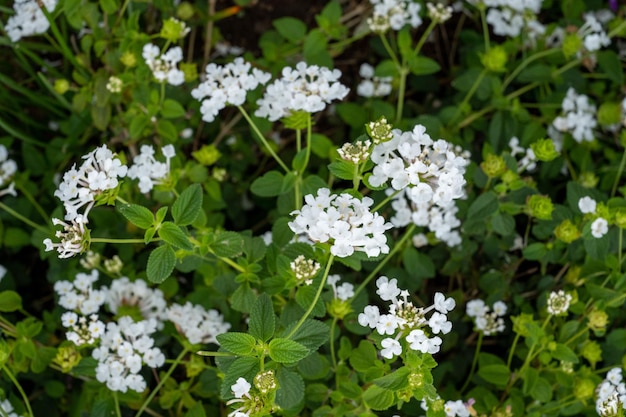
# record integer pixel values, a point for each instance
(495, 374)
(10, 301)
(245, 367)
(342, 170)
(378, 398)
(290, 389)
(188, 205)
(226, 244)
(238, 343)
(172, 109)
(173, 235)
(137, 215)
(262, 320)
(269, 185)
(290, 28)
(312, 334)
(161, 263)
(286, 351)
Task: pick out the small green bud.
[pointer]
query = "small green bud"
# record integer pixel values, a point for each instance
(573, 275)
(592, 352)
(339, 308)
(297, 120)
(195, 366)
(265, 381)
(416, 380)
(545, 357)
(571, 45)
(128, 59)
(67, 357)
(185, 10)
(544, 150)
(609, 113)
(61, 85)
(493, 165)
(190, 70)
(588, 179)
(552, 346)
(619, 216)
(173, 30)
(219, 174)
(598, 320)
(567, 231)
(540, 207)
(519, 324)
(207, 155)
(584, 389)
(495, 59)
(379, 131)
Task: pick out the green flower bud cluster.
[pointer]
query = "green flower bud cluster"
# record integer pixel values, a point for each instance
(495, 59)
(539, 207)
(544, 150)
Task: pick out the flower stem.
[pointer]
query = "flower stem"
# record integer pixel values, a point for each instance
(20, 389)
(118, 412)
(24, 219)
(333, 356)
(619, 174)
(111, 240)
(527, 62)
(262, 139)
(317, 297)
(34, 202)
(469, 95)
(474, 361)
(407, 234)
(161, 382)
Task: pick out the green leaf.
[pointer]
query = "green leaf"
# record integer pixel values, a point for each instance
(10, 301)
(404, 43)
(172, 109)
(147, 237)
(290, 28)
(312, 334)
(352, 114)
(564, 353)
(188, 205)
(609, 62)
(290, 391)
(420, 264)
(503, 224)
(305, 296)
(245, 367)
(243, 298)
(161, 263)
(378, 398)
(167, 130)
(196, 411)
(286, 351)
(496, 374)
(269, 185)
(137, 215)
(160, 214)
(485, 205)
(363, 357)
(109, 6)
(238, 343)
(225, 244)
(137, 126)
(342, 169)
(262, 320)
(421, 65)
(396, 380)
(173, 235)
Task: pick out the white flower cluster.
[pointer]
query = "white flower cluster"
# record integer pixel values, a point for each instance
(579, 116)
(592, 33)
(513, 17)
(28, 19)
(406, 320)
(80, 331)
(344, 221)
(600, 226)
(486, 321)
(528, 161)
(80, 296)
(6, 409)
(98, 173)
(452, 408)
(124, 348)
(343, 292)
(305, 88)
(371, 85)
(164, 67)
(71, 238)
(226, 85)
(241, 391)
(148, 170)
(197, 324)
(429, 174)
(558, 303)
(125, 293)
(8, 168)
(304, 269)
(394, 14)
(611, 394)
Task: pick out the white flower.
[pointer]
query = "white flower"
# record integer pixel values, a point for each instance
(476, 308)
(391, 348)
(28, 19)
(196, 323)
(443, 304)
(599, 227)
(164, 66)
(148, 170)
(439, 323)
(241, 388)
(387, 289)
(387, 324)
(369, 317)
(578, 118)
(558, 302)
(587, 205)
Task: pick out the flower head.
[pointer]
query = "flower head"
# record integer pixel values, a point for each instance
(558, 303)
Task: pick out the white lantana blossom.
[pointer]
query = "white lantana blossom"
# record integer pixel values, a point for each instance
(124, 348)
(28, 19)
(196, 323)
(578, 118)
(599, 227)
(514, 17)
(404, 320)
(148, 302)
(73, 239)
(227, 85)
(343, 292)
(371, 85)
(343, 221)
(307, 88)
(587, 205)
(592, 33)
(558, 303)
(429, 175)
(164, 66)
(8, 168)
(394, 14)
(486, 321)
(611, 394)
(148, 170)
(80, 295)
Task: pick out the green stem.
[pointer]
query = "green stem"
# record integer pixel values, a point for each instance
(617, 30)
(34, 202)
(24, 219)
(469, 95)
(386, 200)
(214, 354)
(112, 240)
(619, 174)
(317, 297)
(118, 412)
(422, 40)
(619, 249)
(161, 382)
(401, 91)
(390, 51)
(474, 361)
(262, 139)
(20, 389)
(527, 62)
(333, 357)
(512, 351)
(232, 263)
(407, 234)
(483, 20)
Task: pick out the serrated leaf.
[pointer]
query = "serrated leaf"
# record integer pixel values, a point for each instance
(172, 109)
(305, 296)
(173, 235)
(396, 380)
(378, 398)
(286, 350)
(160, 214)
(269, 185)
(485, 205)
(312, 333)
(290, 28)
(564, 353)
(225, 244)
(421, 65)
(238, 343)
(262, 320)
(161, 263)
(290, 389)
(243, 298)
(496, 374)
(363, 357)
(188, 205)
(245, 367)
(10, 301)
(342, 170)
(147, 237)
(137, 215)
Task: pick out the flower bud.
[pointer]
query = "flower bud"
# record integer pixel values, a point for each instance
(207, 155)
(61, 85)
(567, 231)
(128, 59)
(493, 166)
(173, 30)
(494, 59)
(265, 381)
(339, 308)
(598, 320)
(540, 207)
(185, 10)
(619, 214)
(67, 358)
(592, 352)
(544, 150)
(190, 71)
(588, 179)
(379, 131)
(571, 45)
(609, 113)
(584, 389)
